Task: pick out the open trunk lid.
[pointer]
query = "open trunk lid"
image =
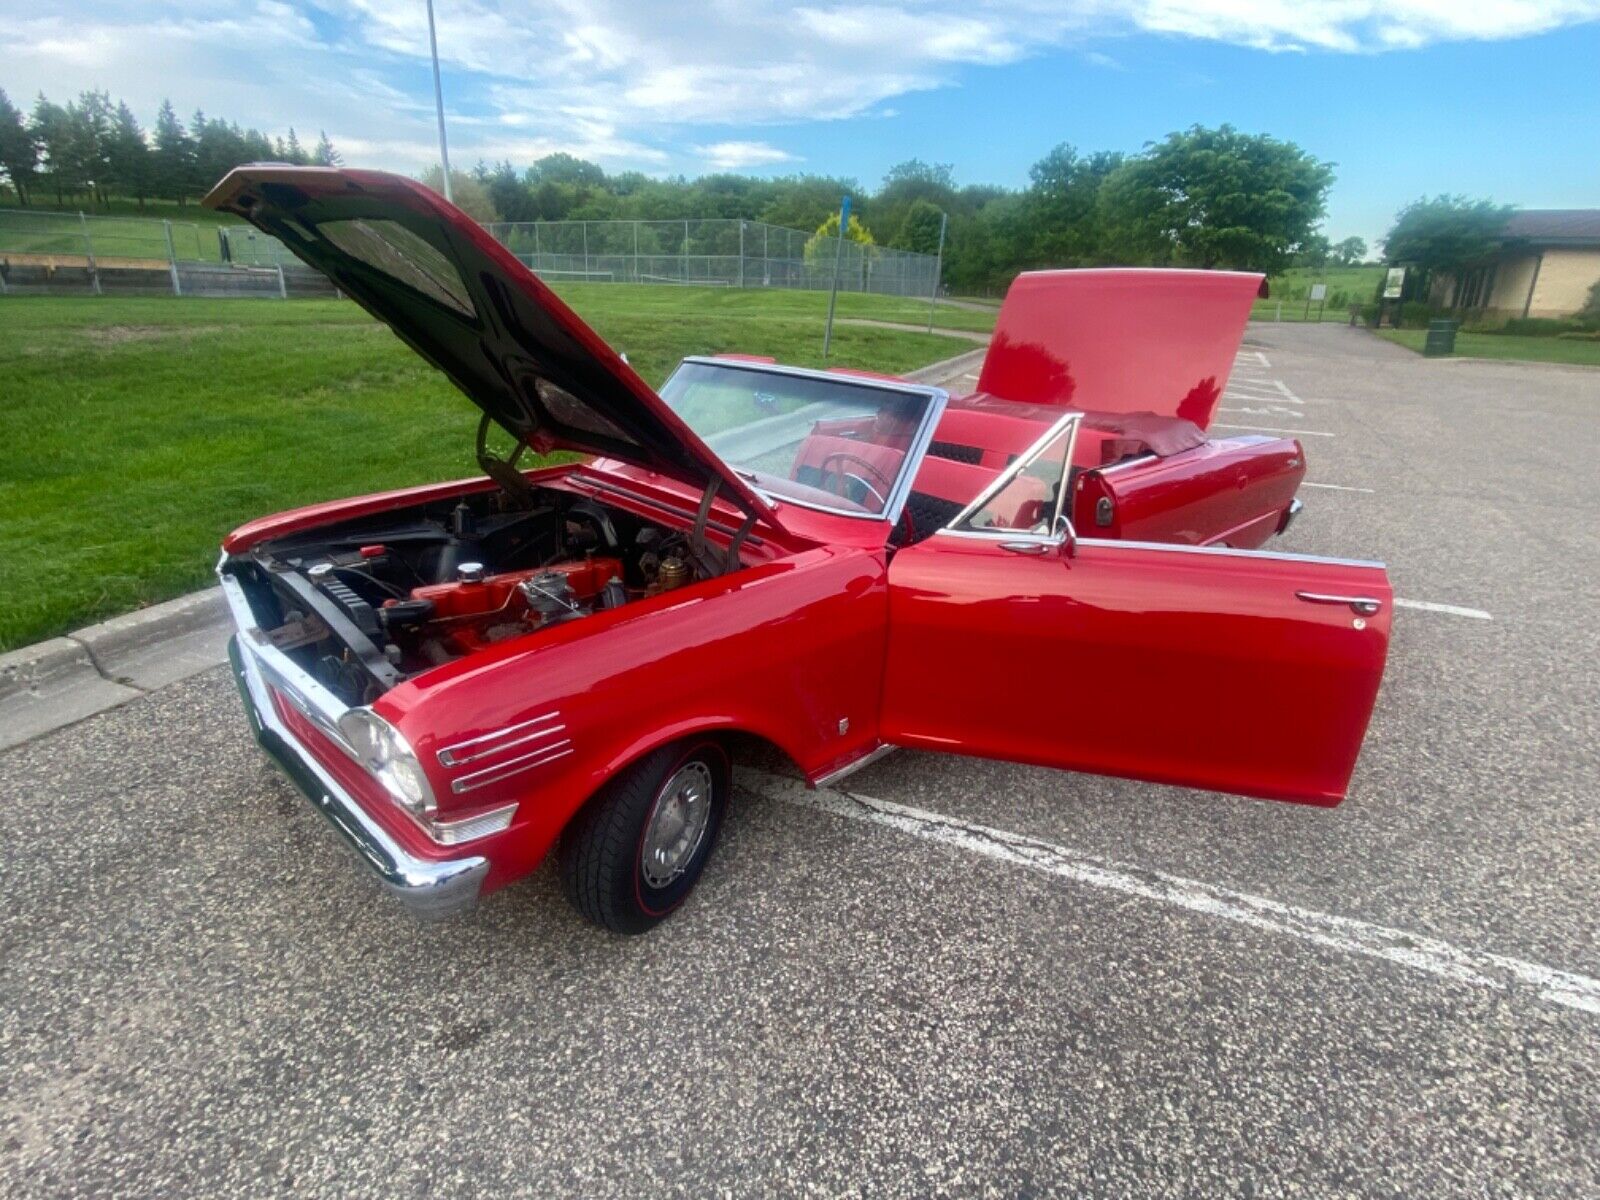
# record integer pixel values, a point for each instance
(463, 301)
(1121, 340)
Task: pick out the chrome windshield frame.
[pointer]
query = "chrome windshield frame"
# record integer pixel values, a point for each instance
(916, 449)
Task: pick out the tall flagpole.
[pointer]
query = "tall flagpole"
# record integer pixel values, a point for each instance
(438, 104)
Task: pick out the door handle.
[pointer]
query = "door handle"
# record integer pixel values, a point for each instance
(1363, 606)
(1026, 547)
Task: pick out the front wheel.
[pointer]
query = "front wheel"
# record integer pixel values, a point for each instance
(638, 847)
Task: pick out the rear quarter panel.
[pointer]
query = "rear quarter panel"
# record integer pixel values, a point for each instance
(1232, 492)
(785, 650)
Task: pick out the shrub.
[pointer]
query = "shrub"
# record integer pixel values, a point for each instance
(1537, 326)
(1416, 312)
(1588, 316)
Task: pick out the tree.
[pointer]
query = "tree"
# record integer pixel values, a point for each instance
(1351, 251)
(919, 230)
(128, 156)
(325, 155)
(1314, 251)
(1446, 233)
(91, 122)
(1062, 225)
(1450, 234)
(295, 153)
(820, 248)
(914, 170)
(563, 168)
(219, 146)
(1589, 314)
(470, 196)
(1221, 198)
(805, 201)
(904, 186)
(174, 161)
(51, 128)
(511, 198)
(18, 155)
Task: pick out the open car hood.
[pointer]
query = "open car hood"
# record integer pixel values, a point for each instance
(1121, 340)
(460, 299)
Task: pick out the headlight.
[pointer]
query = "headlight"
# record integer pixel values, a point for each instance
(381, 749)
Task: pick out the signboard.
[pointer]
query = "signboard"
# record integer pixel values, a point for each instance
(1319, 291)
(1393, 283)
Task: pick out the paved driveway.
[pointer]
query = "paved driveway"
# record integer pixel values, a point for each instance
(977, 978)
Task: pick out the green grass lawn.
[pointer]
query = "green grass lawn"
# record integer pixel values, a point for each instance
(595, 300)
(135, 433)
(40, 230)
(1291, 290)
(1504, 345)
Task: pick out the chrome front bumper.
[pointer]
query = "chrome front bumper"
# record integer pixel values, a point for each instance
(431, 889)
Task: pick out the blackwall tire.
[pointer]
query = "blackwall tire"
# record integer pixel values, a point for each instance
(636, 850)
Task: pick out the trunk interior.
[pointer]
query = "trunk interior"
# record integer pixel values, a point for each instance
(368, 603)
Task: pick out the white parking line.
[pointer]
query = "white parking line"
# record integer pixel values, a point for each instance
(1452, 610)
(1272, 410)
(1269, 429)
(1335, 487)
(1274, 397)
(1413, 951)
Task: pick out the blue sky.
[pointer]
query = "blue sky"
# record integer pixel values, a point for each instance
(1406, 96)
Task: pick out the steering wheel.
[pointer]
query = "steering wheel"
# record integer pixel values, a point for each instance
(845, 456)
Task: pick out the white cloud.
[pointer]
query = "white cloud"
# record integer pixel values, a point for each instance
(737, 156)
(1354, 25)
(641, 83)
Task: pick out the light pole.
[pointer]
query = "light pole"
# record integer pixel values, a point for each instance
(838, 256)
(438, 104)
(938, 269)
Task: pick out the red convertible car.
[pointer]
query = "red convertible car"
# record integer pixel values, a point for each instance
(1056, 570)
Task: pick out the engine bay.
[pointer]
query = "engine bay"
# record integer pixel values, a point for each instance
(366, 604)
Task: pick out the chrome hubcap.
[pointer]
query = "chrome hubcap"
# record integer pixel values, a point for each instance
(677, 825)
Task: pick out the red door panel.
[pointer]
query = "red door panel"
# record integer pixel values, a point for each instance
(1166, 664)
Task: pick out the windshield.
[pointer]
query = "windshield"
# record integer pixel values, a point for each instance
(832, 443)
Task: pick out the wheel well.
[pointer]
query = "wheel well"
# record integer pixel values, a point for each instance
(741, 746)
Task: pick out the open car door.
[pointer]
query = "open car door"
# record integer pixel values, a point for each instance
(1233, 670)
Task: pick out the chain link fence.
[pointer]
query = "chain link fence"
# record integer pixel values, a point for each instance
(718, 252)
(76, 253)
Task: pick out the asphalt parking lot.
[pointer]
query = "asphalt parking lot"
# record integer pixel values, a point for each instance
(1150, 992)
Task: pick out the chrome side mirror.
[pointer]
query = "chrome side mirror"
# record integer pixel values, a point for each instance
(1069, 539)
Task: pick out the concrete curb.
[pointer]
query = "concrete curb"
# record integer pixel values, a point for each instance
(965, 335)
(949, 368)
(63, 680)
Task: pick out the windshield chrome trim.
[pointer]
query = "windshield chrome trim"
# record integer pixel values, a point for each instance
(1002, 480)
(916, 449)
(826, 376)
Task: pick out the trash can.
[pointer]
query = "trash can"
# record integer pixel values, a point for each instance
(1441, 339)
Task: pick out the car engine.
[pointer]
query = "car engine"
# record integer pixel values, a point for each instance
(368, 603)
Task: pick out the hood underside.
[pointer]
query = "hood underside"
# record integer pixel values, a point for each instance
(1121, 340)
(464, 303)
